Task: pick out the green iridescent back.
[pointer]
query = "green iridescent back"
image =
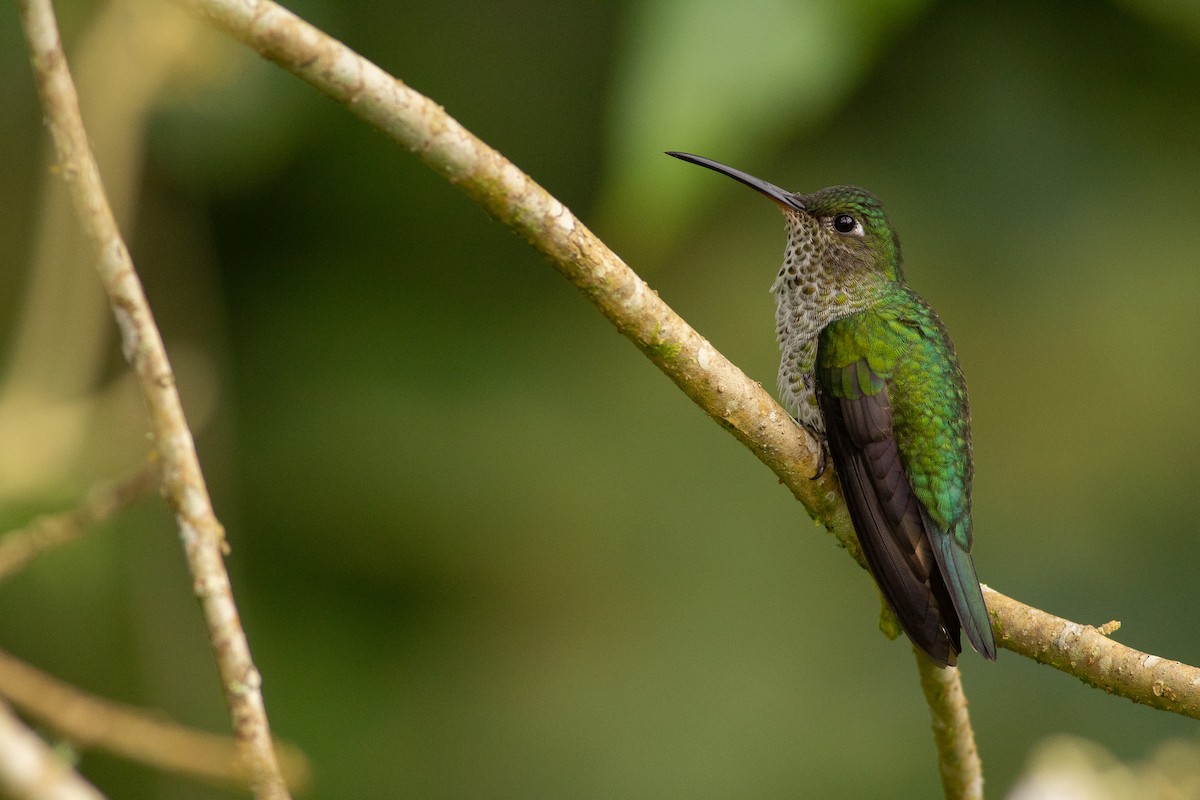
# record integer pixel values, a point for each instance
(905, 344)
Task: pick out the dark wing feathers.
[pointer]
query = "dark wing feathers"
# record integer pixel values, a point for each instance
(870, 418)
(887, 516)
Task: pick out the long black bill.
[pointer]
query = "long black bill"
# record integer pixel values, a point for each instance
(783, 198)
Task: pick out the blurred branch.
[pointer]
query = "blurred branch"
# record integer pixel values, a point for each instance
(723, 391)
(118, 94)
(55, 382)
(103, 501)
(182, 480)
(88, 721)
(31, 770)
(958, 758)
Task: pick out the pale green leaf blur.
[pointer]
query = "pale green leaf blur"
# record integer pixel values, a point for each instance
(695, 75)
(483, 549)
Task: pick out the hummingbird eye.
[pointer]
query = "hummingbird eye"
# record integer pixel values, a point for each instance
(846, 223)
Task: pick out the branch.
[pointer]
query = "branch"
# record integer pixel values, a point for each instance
(723, 391)
(515, 200)
(958, 759)
(89, 721)
(103, 501)
(182, 481)
(1088, 654)
(30, 770)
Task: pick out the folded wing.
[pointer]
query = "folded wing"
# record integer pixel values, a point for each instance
(905, 555)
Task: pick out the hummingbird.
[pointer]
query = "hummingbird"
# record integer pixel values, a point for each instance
(868, 369)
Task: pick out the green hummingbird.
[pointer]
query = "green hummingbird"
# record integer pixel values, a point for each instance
(868, 368)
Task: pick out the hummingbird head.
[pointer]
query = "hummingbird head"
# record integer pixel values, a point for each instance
(843, 228)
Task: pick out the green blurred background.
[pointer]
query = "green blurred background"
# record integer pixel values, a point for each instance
(482, 548)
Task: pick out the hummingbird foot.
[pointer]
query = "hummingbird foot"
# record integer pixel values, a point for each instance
(822, 448)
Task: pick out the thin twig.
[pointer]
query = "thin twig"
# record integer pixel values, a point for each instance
(182, 481)
(958, 758)
(103, 501)
(31, 770)
(88, 721)
(722, 390)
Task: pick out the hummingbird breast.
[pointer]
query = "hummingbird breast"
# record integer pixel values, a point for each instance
(809, 294)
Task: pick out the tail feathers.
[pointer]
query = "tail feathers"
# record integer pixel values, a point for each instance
(962, 585)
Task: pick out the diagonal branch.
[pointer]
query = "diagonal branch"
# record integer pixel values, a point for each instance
(88, 721)
(31, 770)
(182, 481)
(1087, 653)
(513, 198)
(723, 391)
